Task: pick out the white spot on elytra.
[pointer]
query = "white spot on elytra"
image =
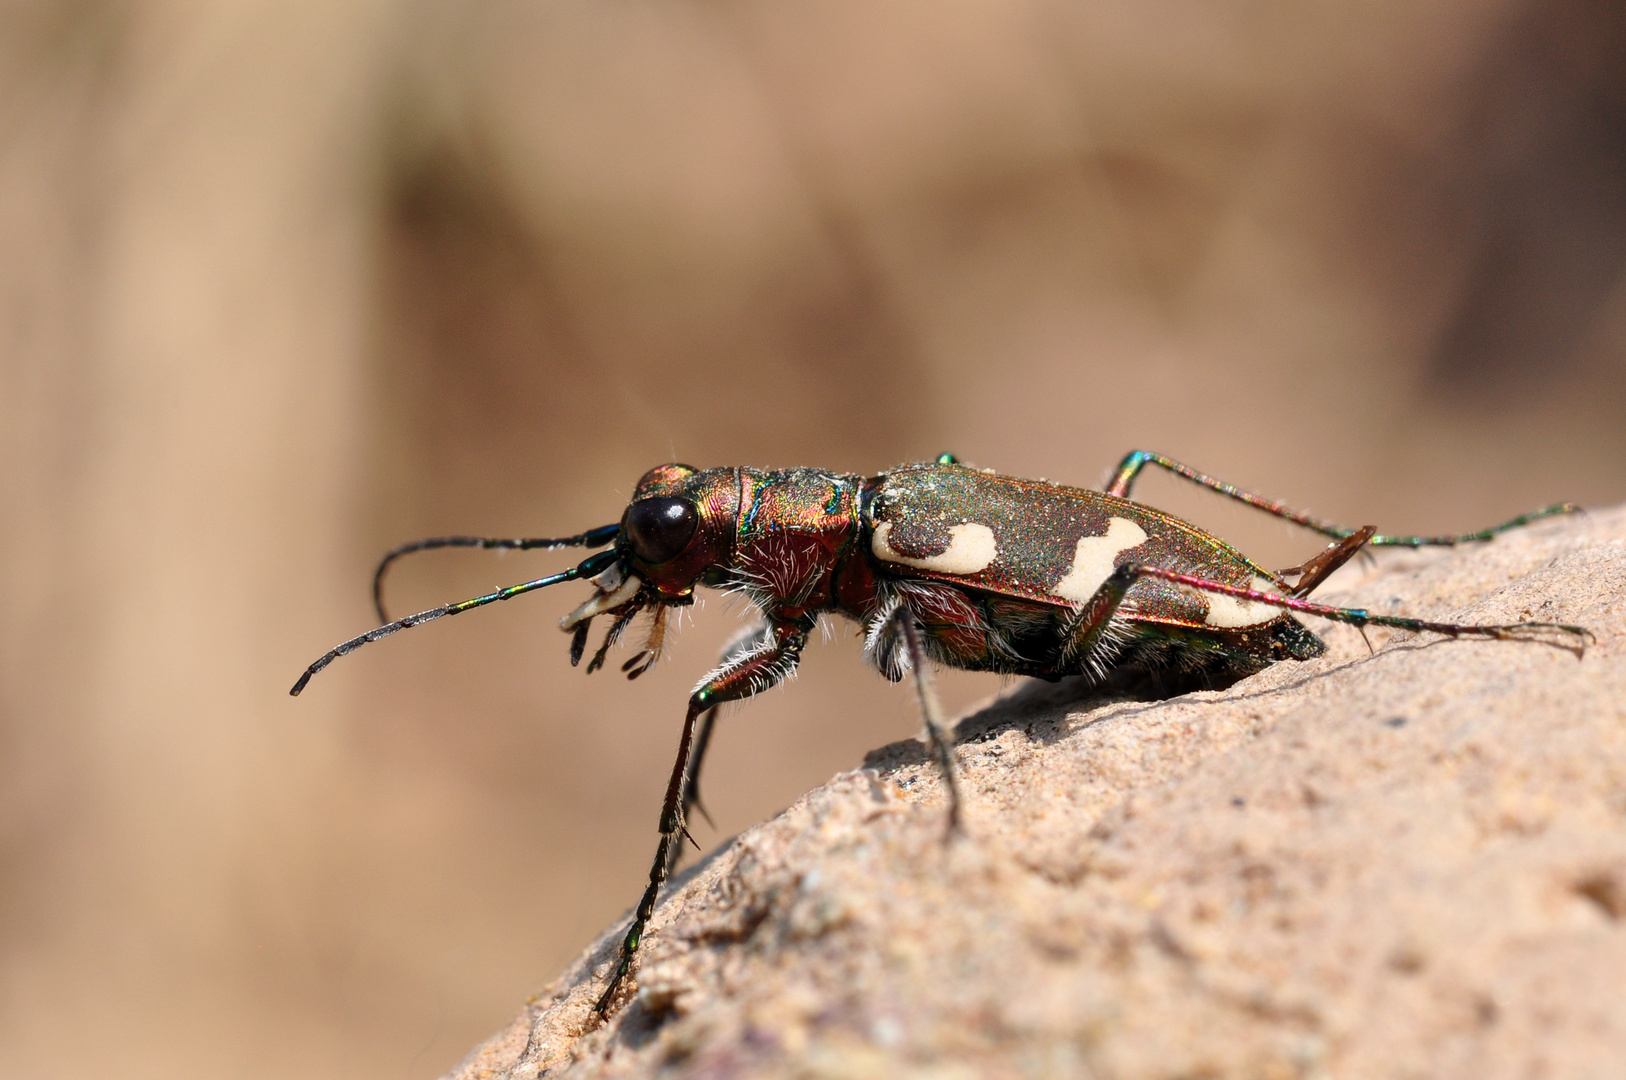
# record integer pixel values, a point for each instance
(1095, 557)
(1230, 611)
(971, 550)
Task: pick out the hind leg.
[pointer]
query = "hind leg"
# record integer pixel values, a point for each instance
(1575, 638)
(1123, 479)
(1091, 648)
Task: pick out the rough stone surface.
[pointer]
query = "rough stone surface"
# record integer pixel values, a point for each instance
(1407, 863)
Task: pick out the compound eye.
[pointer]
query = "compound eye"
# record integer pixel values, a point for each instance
(660, 528)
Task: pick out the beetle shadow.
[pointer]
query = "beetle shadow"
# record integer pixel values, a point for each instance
(1043, 710)
(1040, 709)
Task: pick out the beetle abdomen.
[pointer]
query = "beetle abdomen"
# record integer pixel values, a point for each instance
(1054, 545)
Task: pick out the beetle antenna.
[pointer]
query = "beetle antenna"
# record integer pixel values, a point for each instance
(592, 538)
(589, 567)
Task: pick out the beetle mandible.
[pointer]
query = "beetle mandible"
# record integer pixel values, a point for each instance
(937, 561)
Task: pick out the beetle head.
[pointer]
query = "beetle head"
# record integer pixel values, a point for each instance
(681, 523)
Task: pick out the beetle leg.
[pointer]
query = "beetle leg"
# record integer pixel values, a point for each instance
(748, 675)
(1088, 639)
(749, 639)
(1090, 636)
(691, 786)
(942, 747)
(1123, 478)
(1578, 637)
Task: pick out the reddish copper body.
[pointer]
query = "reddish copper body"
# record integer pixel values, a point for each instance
(801, 542)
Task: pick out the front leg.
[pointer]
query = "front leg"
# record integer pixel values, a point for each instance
(743, 677)
(750, 639)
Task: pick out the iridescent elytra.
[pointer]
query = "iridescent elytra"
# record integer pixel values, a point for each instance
(944, 562)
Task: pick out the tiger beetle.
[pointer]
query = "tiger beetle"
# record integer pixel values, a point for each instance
(944, 562)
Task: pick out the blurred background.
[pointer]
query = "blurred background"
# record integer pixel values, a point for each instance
(283, 284)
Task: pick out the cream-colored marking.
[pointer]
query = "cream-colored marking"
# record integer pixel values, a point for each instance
(971, 550)
(1231, 611)
(1094, 558)
(603, 600)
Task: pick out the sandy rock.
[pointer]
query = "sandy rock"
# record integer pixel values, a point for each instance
(1407, 863)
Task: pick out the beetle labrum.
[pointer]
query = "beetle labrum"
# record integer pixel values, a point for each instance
(937, 561)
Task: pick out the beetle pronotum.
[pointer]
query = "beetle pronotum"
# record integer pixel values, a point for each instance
(937, 561)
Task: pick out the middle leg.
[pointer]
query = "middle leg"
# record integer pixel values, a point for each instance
(936, 731)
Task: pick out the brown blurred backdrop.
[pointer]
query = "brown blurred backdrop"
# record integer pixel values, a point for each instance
(282, 284)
